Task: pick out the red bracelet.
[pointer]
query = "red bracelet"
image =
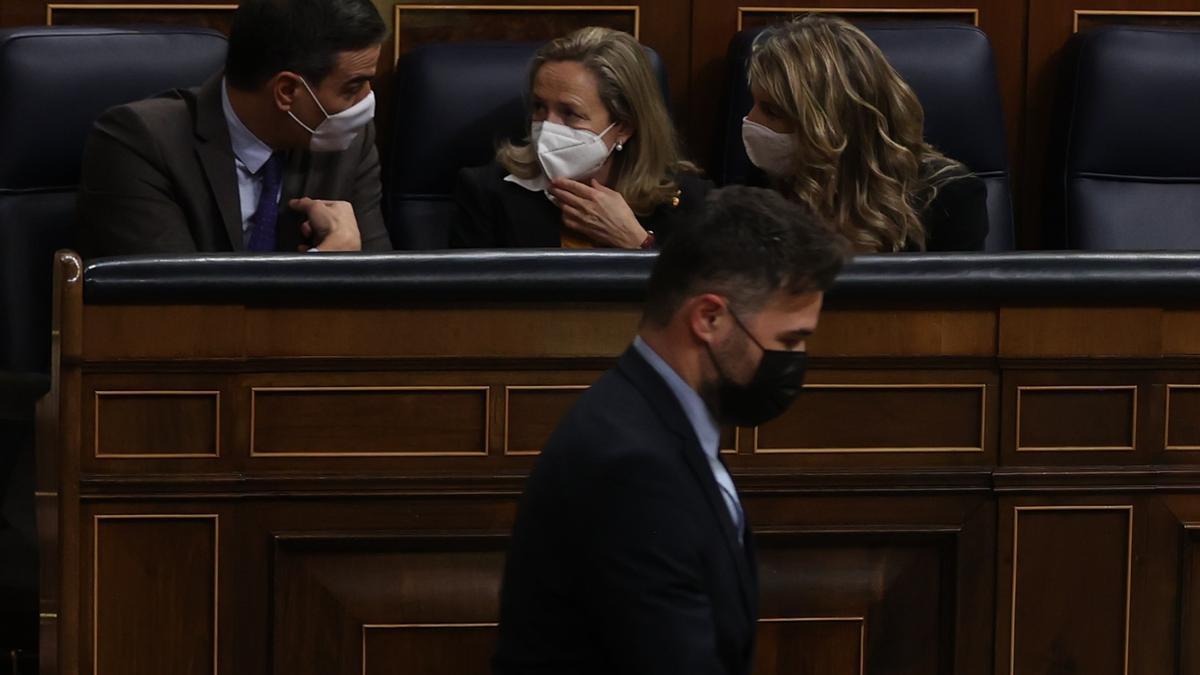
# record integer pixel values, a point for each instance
(648, 242)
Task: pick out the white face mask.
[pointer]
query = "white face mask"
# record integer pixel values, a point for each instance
(770, 150)
(337, 132)
(566, 152)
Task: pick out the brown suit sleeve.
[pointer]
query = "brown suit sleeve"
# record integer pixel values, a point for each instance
(126, 204)
(368, 194)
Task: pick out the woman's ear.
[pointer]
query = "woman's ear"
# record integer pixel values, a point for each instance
(624, 132)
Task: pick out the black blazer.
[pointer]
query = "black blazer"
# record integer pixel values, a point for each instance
(624, 558)
(494, 213)
(957, 218)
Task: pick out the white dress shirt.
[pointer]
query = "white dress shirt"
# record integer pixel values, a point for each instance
(250, 154)
(707, 431)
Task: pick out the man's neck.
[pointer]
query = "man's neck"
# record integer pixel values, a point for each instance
(248, 107)
(681, 360)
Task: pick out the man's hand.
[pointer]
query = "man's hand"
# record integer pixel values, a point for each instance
(330, 226)
(598, 213)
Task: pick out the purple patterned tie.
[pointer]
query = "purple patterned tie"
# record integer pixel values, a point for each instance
(262, 232)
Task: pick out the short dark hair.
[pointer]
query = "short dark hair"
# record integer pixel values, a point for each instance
(303, 36)
(747, 244)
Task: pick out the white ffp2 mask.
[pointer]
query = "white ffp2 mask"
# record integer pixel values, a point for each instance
(566, 152)
(339, 130)
(770, 150)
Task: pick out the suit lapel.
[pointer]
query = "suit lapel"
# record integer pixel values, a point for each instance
(650, 383)
(216, 156)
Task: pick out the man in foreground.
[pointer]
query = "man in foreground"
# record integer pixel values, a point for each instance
(631, 553)
(275, 154)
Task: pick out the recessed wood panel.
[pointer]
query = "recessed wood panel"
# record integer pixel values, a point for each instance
(754, 17)
(900, 584)
(157, 424)
(369, 421)
(902, 418)
(1070, 418)
(418, 24)
(430, 649)
(154, 600)
(1183, 417)
(1070, 589)
(376, 603)
(1086, 19)
(217, 16)
(1190, 602)
(533, 412)
(830, 646)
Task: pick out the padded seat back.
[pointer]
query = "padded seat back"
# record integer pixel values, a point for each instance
(455, 103)
(1133, 149)
(55, 82)
(951, 69)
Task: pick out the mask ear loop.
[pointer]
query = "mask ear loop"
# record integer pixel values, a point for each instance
(319, 107)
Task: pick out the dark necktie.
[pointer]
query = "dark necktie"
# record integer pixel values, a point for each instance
(262, 230)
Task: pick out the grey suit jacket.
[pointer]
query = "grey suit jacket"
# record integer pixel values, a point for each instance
(159, 177)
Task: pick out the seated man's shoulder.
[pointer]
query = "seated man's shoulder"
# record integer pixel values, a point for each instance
(169, 113)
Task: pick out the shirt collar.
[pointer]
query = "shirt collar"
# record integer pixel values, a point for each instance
(707, 431)
(247, 147)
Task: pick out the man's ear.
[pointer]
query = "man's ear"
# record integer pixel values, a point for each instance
(705, 316)
(285, 87)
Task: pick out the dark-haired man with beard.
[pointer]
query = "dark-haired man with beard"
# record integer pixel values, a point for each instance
(631, 553)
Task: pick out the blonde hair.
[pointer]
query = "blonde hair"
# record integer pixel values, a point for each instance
(644, 171)
(863, 162)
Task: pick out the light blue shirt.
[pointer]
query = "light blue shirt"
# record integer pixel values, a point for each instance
(249, 154)
(707, 431)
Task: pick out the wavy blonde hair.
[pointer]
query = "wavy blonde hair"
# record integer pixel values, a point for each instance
(644, 171)
(863, 162)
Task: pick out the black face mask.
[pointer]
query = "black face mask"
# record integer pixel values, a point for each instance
(775, 384)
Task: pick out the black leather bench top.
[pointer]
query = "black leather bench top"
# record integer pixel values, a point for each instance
(1060, 277)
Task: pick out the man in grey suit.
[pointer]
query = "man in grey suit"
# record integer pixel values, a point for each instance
(275, 154)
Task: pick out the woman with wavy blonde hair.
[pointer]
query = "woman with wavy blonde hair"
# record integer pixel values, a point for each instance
(601, 165)
(837, 129)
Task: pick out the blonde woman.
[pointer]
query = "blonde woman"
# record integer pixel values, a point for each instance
(601, 165)
(838, 130)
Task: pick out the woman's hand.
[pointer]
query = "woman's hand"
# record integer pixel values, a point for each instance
(598, 213)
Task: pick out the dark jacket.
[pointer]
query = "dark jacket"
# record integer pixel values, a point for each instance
(159, 176)
(624, 558)
(494, 213)
(957, 218)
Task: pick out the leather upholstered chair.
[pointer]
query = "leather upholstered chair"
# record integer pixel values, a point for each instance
(1133, 147)
(54, 82)
(455, 103)
(951, 69)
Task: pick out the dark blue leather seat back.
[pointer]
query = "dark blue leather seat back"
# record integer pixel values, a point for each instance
(1133, 157)
(55, 82)
(454, 104)
(951, 69)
